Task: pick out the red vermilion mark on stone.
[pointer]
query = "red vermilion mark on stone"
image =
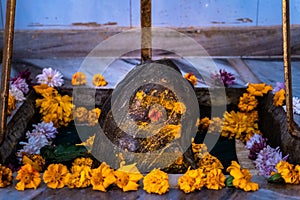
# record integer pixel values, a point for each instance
(155, 114)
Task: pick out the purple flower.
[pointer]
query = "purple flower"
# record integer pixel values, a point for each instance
(43, 128)
(278, 87)
(23, 75)
(21, 84)
(223, 76)
(255, 144)
(267, 159)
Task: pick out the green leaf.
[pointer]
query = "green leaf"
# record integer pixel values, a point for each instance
(228, 181)
(276, 178)
(62, 153)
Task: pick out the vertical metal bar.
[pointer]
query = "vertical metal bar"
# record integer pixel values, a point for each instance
(6, 64)
(146, 37)
(287, 63)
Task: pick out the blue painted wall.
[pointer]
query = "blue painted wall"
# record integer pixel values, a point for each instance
(53, 14)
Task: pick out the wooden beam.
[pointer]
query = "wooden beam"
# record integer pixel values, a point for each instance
(218, 41)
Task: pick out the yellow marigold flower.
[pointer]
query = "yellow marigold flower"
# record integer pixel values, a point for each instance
(28, 178)
(80, 176)
(127, 177)
(140, 95)
(127, 181)
(215, 125)
(288, 173)
(11, 104)
(45, 90)
(56, 108)
(56, 176)
(215, 179)
(35, 160)
(156, 182)
(247, 102)
(199, 150)
(80, 114)
(78, 78)
(88, 143)
(94, 116)
(258, 89)
(279, 98)
(179, 108)
(241, 177)
(238, 125)
(191, 77)
(102, 177)
(192, 180)
(209, 162)
(6, 177)
(83, 162)
(98, 80)
(204, 124)
(172, 130)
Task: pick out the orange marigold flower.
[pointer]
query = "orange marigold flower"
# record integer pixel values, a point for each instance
(279, 98)
(247, 102)
(192, 180)
(156, 182)
(215, 179)
(239, 125)
(94, 116)
(11, 104)
(215, 125)
(288, 172)
(199, 150)
(191, 77)
(102, 177)
(80, 176)
(83, 162)
(98, 80)
(179, 108)
(241, 177)
(203, 124)
(35, 160)
(258, 89)
(78, 78)
(80, 114)
(209, 162)
(56, 176)
(45, 90)
(6, 177)
(28, 178)
(56, 108)
(127, 181)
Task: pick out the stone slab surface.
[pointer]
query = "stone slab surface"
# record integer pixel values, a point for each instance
(266, 191)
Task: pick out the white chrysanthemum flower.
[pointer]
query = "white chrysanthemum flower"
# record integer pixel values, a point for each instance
(296, 105)
(46, 129)
(34, 144)
(51, 77)
(16, 93)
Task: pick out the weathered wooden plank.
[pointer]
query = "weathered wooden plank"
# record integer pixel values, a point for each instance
(218, 41)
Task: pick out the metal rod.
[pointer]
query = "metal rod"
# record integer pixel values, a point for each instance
(6, 64)
(287, 64)
(146, 37)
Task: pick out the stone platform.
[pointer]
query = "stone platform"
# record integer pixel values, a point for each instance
(266, 191)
